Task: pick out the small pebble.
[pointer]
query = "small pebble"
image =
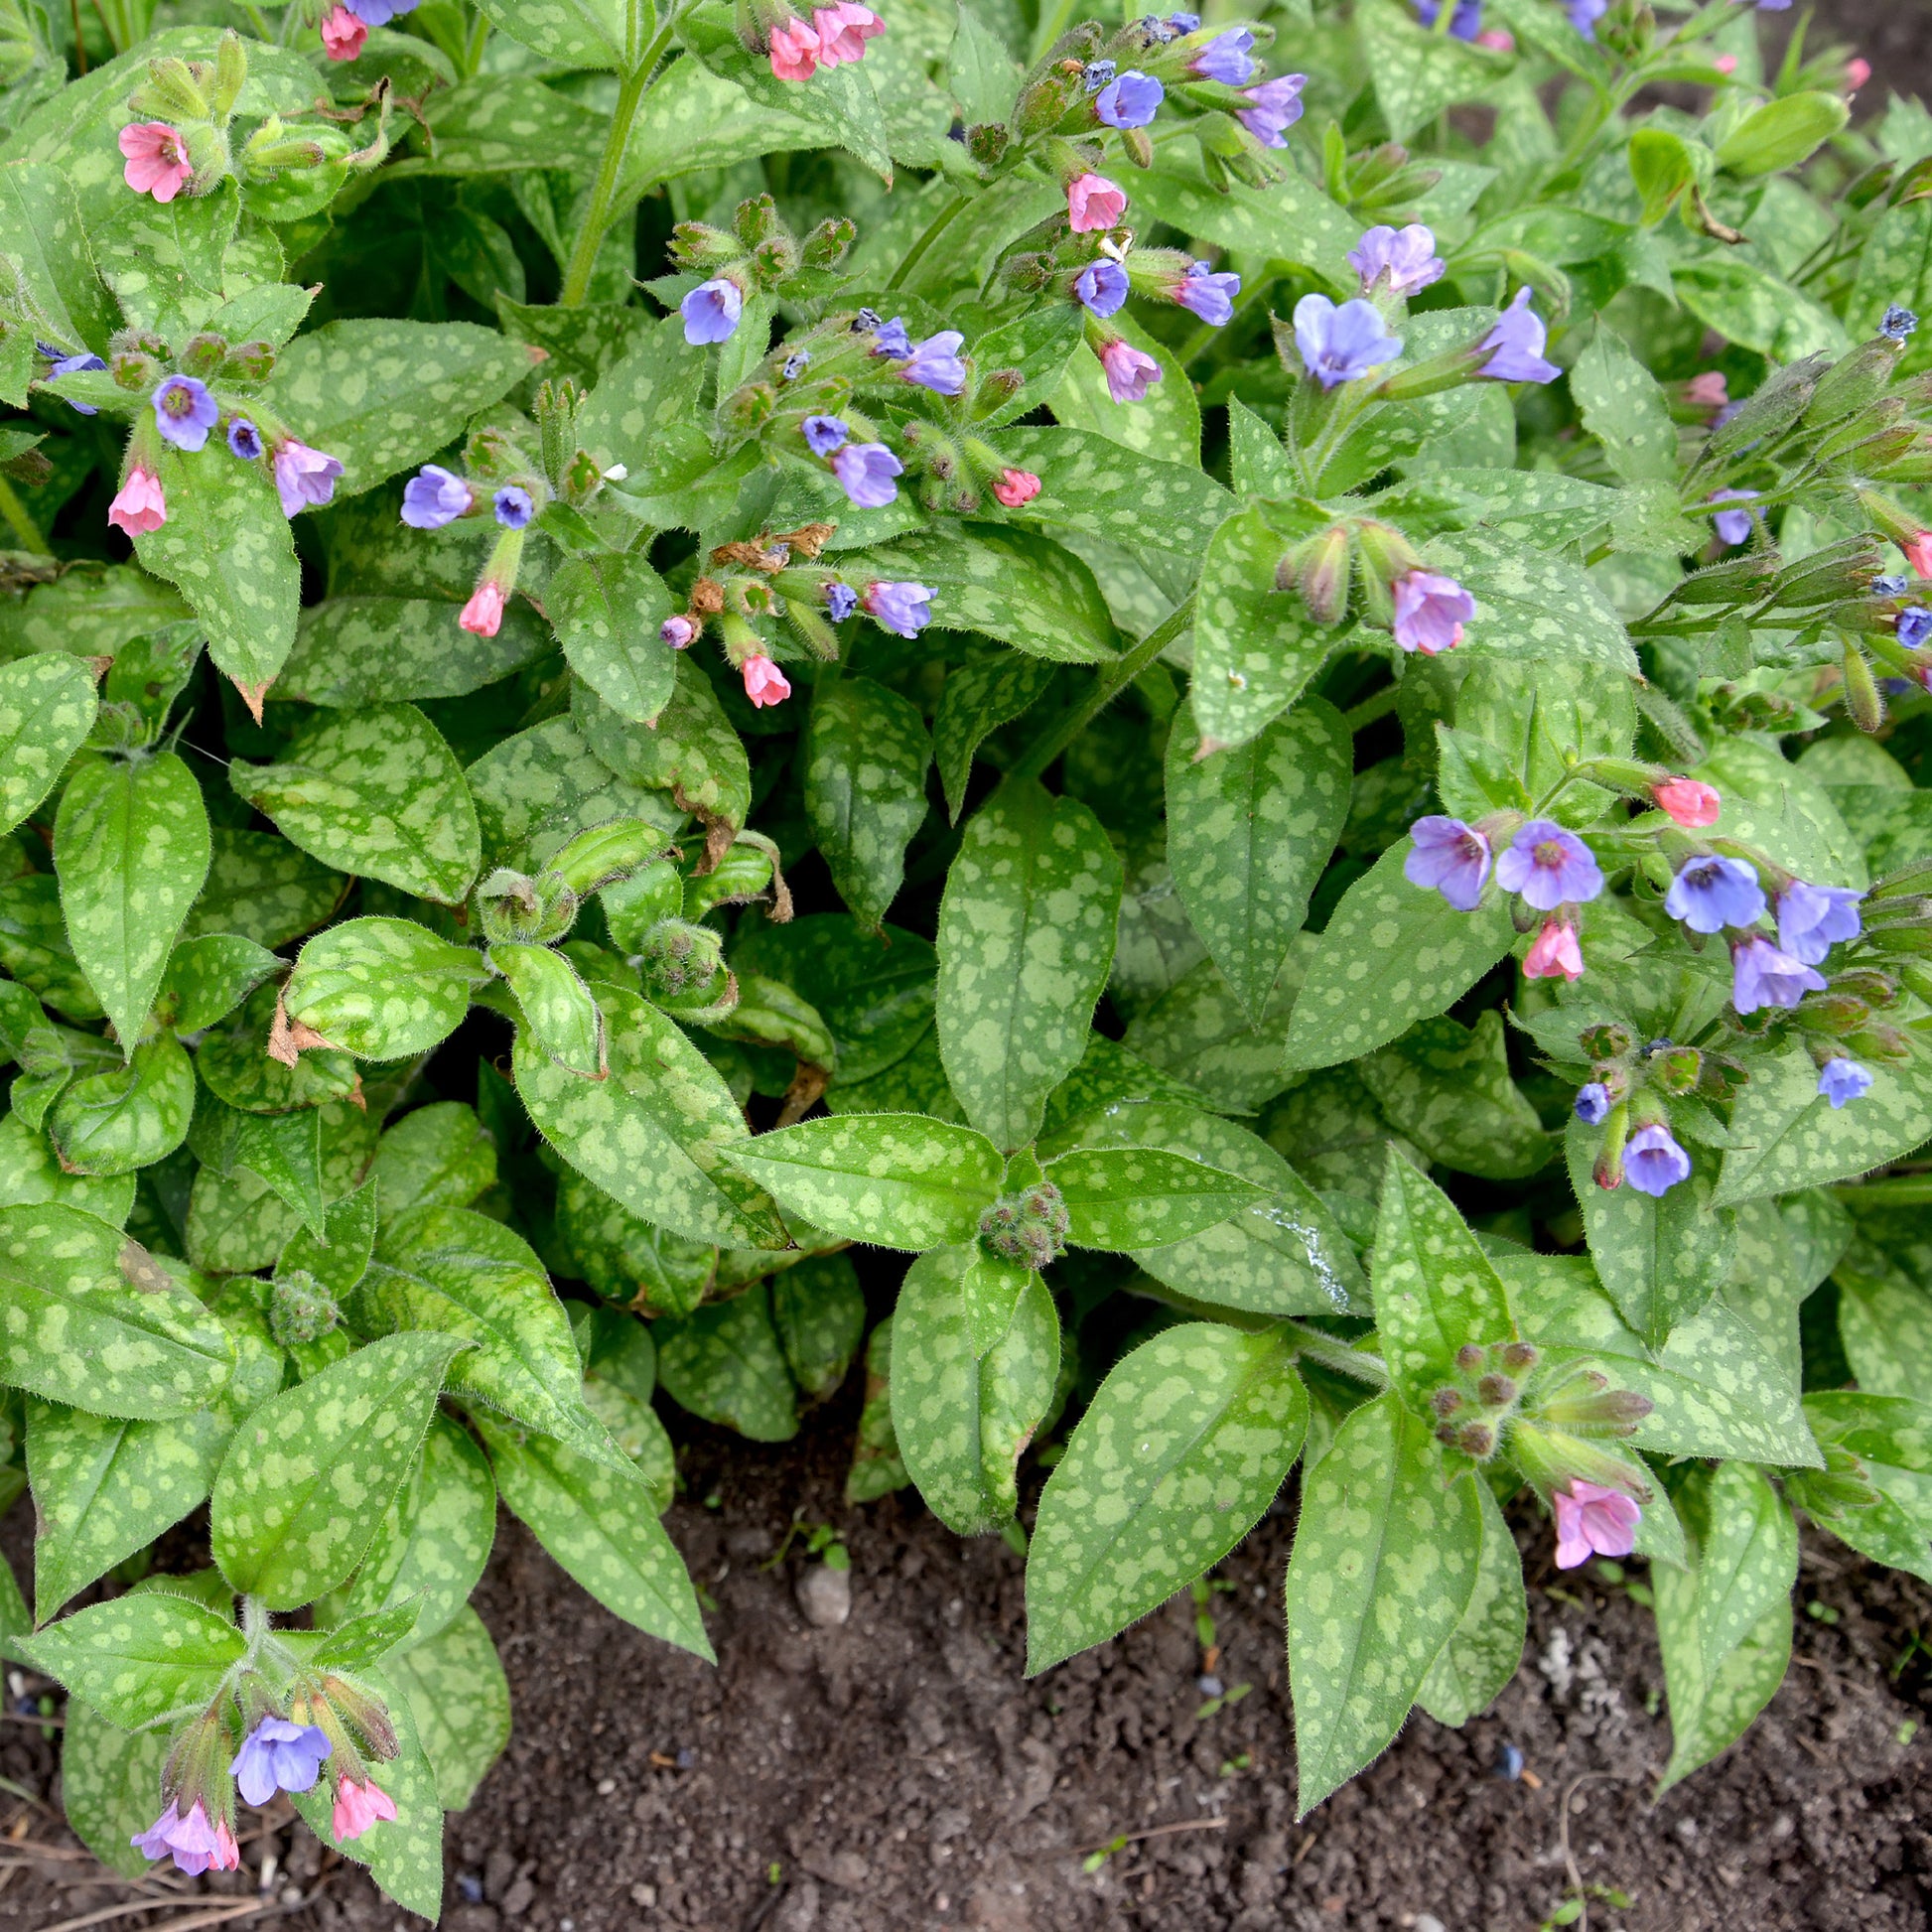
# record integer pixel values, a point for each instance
(825, 1595)
(470, 1885)
(1209, 1686)
(604, 1786)
(686, 1757)
(1509, 1762)
(1429, 1922)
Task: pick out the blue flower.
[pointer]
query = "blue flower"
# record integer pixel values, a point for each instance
(1102, 286)
(434, 497)
(1097, 74)
(1762, 976)
(1516, 344)
(1208, 294)
(841, 600)
(797, 364)
(1653, 1162)
(903, 609)
(1841, 1080)
(71, 365)
(892, 339)
(1733, 526)
(513, 507)
(244, 440)
(278, 1755)
(1812, 920)
(864, 472)
(1585, 13)
(1339, 345)
(1549, 867)
(1132, 100)
(824, 434)
(1898, 322)
(1713, 892)
(1184, 23)
(1465, 24)
(1593, 1104)
(935, 364)
(1451, 856)
(1914, 621)
(711, 311)
(1404, 258)
(1225, 58)
(185, 412)
(1274, 107)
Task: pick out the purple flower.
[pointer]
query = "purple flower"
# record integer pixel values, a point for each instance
(185, 411)
(1733, 526)
(1814, 919)
(892, 339)
(1339, 345)
(1516, 345)
(1898, 323)
(1653, 1162)
(679, 631)
(244, 440)
(711, 311)
(1549, 867)
(1096, 74)
(1713, 892)
(1102, 286)
(1841, 1080)
(434, 497)
(903, 609)
(193, 1842)
(1275, 108)
(1585, 13)
(71, 365)
(864, 472)
(824, 434)
(378, 13)
(1762, 976)
(1914, 625)
(278, 1755)
(1451, 856)
(935, 364)
(1131, 101)
(1184, 23)
(1208, 293)
(1405, 256)
(841, 600)
(1429, 611)
(1593, 1104)
(304, 477)
(1225, 58)
(513, 507)
(1467, 23)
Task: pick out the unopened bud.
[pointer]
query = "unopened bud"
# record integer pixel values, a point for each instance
(1608, 1170)
(1855, 381)
(1318, 569)
(204, 354)
(1476, 1439)
(1497, 1391)
(1446, 1401)
(1553, 1457)
(826, 245)
(1835, 1012)
(301, 1310)
(1863, 703)
(1469, 1357)
(249, 362)
(366, 1717)
(131, 369)
(1721, 1077)
(1866, 983)
(1519, 1355)
(1596, 1412)
(230, 73)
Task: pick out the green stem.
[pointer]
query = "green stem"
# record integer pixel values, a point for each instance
(597, 216)
(934, 229)
(1331, 1353)
(1113, 680)
(473, 48)
(21, 520)
(1915, 1190)
(1378, 704)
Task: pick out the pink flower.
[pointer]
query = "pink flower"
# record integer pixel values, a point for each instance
(1689, 801)
(358, 1806)
(765, 683)
(1554, 952)
(1593, 1519)
(1016, 487)
(1129, 370)
(1726, 64)
(1918, 553)
(843, 31)
(343, 34)
(304, 477)
(1856, 74)
(1495, 39)
(1429, 611)
(194, 1845)
(1094, 203)
(1707, 391)
(483, 614)
(794, 52)
(140, 506)
(157, 160)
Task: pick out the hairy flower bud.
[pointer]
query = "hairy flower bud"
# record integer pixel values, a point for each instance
(301, 1310)
(1495, 1391)
(1476, 1439)
(1446, 1401)
(1469, 1357)
(1029, 1227)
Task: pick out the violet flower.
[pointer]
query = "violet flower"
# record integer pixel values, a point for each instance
(1841, 1080)
(1339, 345)
(1208, 293)
(194, 1845)
(711, 311)
(378, 13)
(1814, 919)
(1467, 22)
(513, 507)
(891, 339)
(1274, 107)
(73, 365)
(434, 497)
(935, 364)
(1130, 371)
(304, 479)
(244, 440)
(1102, 286)
(1713, 892)
(185, 412)
(1429, 611)
(841, 600)
(1407, 257)
(1593, 1105)
(1451, 856)
(864, 472)
(903, 609)
(1762, 976)
(1516, 344)
(1733, 526)
(1898, 323)
(1585, 13)
(1914, 625)
(1131, 99)
(1225, 58)
(1653, 1162)
(1592, 1520)
(1549, 867)
(278, 1755)
(824, 434)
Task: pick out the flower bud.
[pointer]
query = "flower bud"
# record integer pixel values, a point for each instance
(1606, 1039)
(1863, 703)
(1678, 1070)
(202, 355)
(997, 388)
(170, 91)
(132, 369)
(1853, 380)
(1519, 1355)
(1866, 983)
(230, 73)
(1721, 1077)
(756, 220)
(365, 1716)
(1608, 1170)
(827, 245)
(1495, 1391)
(301, 1310)
(1469, 1357)
(697, 246)
(1446, 1401)
(1476, 1439)
(249, 362)
(1318, 569)
(1835, 1012)
(1553, 1457)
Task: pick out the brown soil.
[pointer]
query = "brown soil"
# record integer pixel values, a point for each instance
(900, 1772)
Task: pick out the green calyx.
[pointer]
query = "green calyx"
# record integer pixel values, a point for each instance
(1029, 1227)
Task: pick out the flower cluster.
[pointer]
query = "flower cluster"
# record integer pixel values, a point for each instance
(797, 48)
(345, 28)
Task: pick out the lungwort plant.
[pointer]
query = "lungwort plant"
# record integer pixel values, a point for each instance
(1263, 686)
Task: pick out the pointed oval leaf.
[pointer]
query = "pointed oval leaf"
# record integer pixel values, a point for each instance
(47, 709)
(1121, 1198)
(866, 757)
(383, 989)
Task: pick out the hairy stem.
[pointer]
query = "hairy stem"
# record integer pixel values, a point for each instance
(597, 216)
(934, 229)
(1336, 1354)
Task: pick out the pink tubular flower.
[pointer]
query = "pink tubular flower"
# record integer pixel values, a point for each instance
(483, 616)
(1856, 74)
(1129, 370)
(304, 477)
(1429, 611)
(1690, 802)
(1592, 1520)
(157, 160)
(343, 34)
(794, 52)
(1726, 64)
(1016, 487)
(1496, 40)
(140, 506)
(1555, 953)
(1707, 391)
(194, 1845)
(1918, 553)
(765, 683)
(843, 30)
(358, 1806)
(1094, 203)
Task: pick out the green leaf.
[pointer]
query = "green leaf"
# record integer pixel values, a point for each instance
(643, 412)
(110, 1781)
(1474, 1667)
(140, 1659)
(125, 1117)
(1782, 133)
(961, 1421)
(208, 977)
(1885, 1326)
(661, 1135)
(448, 1272)
(1755, 310)
(605, 611)
(1200, 1033)
(1892, 1443)
(1008, 582)
(1026, 931)
(1659, 1260)
(1122, 1198)
(1391, 953)
(43, 230)
(376, 793)
(866, 755)
(363, 1641)
(131, 847)
(381, 989)
(382, 395)
(990, 1292)
(724, 1362)
(225, 546)
(1532, 606)
(876, 1469)
(31, 1172)
(260, 887)
(1725, 1623)
(352, 651)
(1450, 1086)
(1249, 832)
(440, 1156)
(460, 1699)
(47, 709)
(1254, 648)
(819, 1311)
(90, 1317)
(1289, 220)
(308, 1476)
(556, 1005)
(603, 1528)
(980, 696)
(1435, 1290)
(692, 751)
(1387, 1555)
(1625, 409)
(1417, 72)
(1183, 1447)
(898, 1181)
